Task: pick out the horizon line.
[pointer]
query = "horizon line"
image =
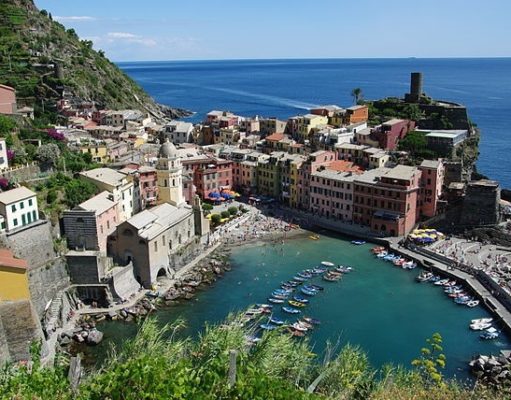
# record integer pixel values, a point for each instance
(319, 58)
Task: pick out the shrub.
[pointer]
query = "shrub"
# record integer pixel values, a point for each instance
(51, 197)
(233, 210)
(207, 207)
(215, 219)
(225, 214)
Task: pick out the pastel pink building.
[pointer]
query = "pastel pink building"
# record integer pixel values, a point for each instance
(89, 224)
(386, 199)
(214, 177)
(331, 194)
(432, 182)
(313, 162)
(7, 100)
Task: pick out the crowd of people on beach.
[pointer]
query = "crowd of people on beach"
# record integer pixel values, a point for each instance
(495, 261)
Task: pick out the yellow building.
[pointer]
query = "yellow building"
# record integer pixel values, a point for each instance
(13, 277)
(99, 152)
(306, 123)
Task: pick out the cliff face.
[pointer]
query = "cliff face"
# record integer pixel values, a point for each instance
(41, 60)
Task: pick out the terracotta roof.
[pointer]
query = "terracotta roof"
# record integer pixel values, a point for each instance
(345, 166)
(275, 137)
(7, 260)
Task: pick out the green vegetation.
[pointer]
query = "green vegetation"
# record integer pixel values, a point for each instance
(233, 210)
(225, 214)
(416, 144)
(215, 219)
(357, 95)
(207, 207)
(38, 57)
(157, 365)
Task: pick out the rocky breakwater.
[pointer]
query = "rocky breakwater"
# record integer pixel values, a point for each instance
(85, 332)
(494, 370)
(205, 273)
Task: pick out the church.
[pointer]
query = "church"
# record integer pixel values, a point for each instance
(150, 239)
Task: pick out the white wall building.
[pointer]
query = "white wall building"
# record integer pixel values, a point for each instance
(4, 163)
(18, 207)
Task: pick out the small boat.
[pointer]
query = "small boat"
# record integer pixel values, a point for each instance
(295, 332)
(319, 270)
(292, 284)
(382, 254)
(343, 269)
(299, 327)
(399, 261)
(327, 264)
(314, 287)
(489, 334)
(299, 278)
(280, 296)
(283, 291)
(377, 249)
(463, 300)
(314, 237)
(312, 320)
(304, 275)
(305, 324)
(480, 326)
(264, 306)
(434, 278)
(451, 283)
(276, 321)
(296, 303)
(275, 301)
(409, 265)
(308, 292)
(290, 310)
(481, 320)
(358, 242)
(473, 303)
(424, 277)
(441, 282)
(300, 299)
(268, 327)
(253, 311)
(331, 278)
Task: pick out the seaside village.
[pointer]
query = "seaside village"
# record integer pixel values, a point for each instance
(167, 192)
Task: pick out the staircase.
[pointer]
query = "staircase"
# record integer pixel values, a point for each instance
(53, 313)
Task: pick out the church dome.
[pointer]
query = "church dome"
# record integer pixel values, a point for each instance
(168, 150)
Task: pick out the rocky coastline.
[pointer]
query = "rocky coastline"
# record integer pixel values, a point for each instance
(493, 370)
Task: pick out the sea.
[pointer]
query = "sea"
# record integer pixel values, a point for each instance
(284, 88)
(378, 307)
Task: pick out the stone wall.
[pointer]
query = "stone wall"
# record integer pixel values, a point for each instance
(123, 283)
(85, 267)
(46, 281)
(23, 173)
(18, 333)
(4, 347)
(481, 204)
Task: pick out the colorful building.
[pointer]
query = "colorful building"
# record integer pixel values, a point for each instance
(386, 199)
(18, 208)
(331, 194)
(356, 114)
(214, 177)
(432, 182)
(90, 223)
(300, 127)
(7, 100)
(13, 276)
(391, 132)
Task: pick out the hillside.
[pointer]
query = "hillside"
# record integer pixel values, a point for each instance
(41, 59)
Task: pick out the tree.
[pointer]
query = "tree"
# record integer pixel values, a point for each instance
(7, 125)
(414, 142)
(207, 207)
(412, 112)
(357, 95)
(431, 360)
(233, 210)
(77, 191)
(48, 154)
(215, 219)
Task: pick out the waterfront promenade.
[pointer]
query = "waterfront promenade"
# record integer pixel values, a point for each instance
(486, 296)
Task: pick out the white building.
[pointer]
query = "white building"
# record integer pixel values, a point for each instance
(4, 164)
(118, 185)
(18, 207)
(179, 132)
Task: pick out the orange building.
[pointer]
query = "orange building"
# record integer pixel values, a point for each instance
(356, 114)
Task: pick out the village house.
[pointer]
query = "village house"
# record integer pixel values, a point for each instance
(116, 184)
(14, 277)
(213, 177)
(88, 225)
(356, 114)
(269, 126)
(179, 132)
(145, 182)
(18, 208)
(7, 100)
(4, 161)
(301, 126)
(391, 132)
(150, 238)
(432, 182)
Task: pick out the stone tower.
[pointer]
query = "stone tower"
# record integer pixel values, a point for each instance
(170, 176)
(416, 88)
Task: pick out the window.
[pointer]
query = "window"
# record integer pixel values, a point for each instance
(34, 215)
(29, 202)
(13, 208)
(23, 220)
(22, 205)
(101, 228)
(163, 240)
(3, 225)
(15, 221)
(155, 246)
(107, 224)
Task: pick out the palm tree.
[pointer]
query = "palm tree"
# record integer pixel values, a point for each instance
(357, 95)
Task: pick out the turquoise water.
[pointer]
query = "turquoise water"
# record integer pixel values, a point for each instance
(378, 306)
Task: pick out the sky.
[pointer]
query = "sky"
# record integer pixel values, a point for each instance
(152, 30)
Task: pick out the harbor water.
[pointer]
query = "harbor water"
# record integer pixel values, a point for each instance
(378, 306)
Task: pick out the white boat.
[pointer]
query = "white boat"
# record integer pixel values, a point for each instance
(382, 254)
(480, 326)
(409, 265)
(299, 327)
(327, 264)
(441, 282)
(473, 303)
(489, 334)
(481, 320)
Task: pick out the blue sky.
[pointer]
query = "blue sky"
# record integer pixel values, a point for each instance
(227, 29)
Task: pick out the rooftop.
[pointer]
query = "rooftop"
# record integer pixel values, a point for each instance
(335, 175)
(99, 203)
(151, 223)
(393, 121)
(434, 164)
(15, 195)
(276, 137)
(401, 172)
(372, 176)
(105, 175)
(354, 108)
(7, 260)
